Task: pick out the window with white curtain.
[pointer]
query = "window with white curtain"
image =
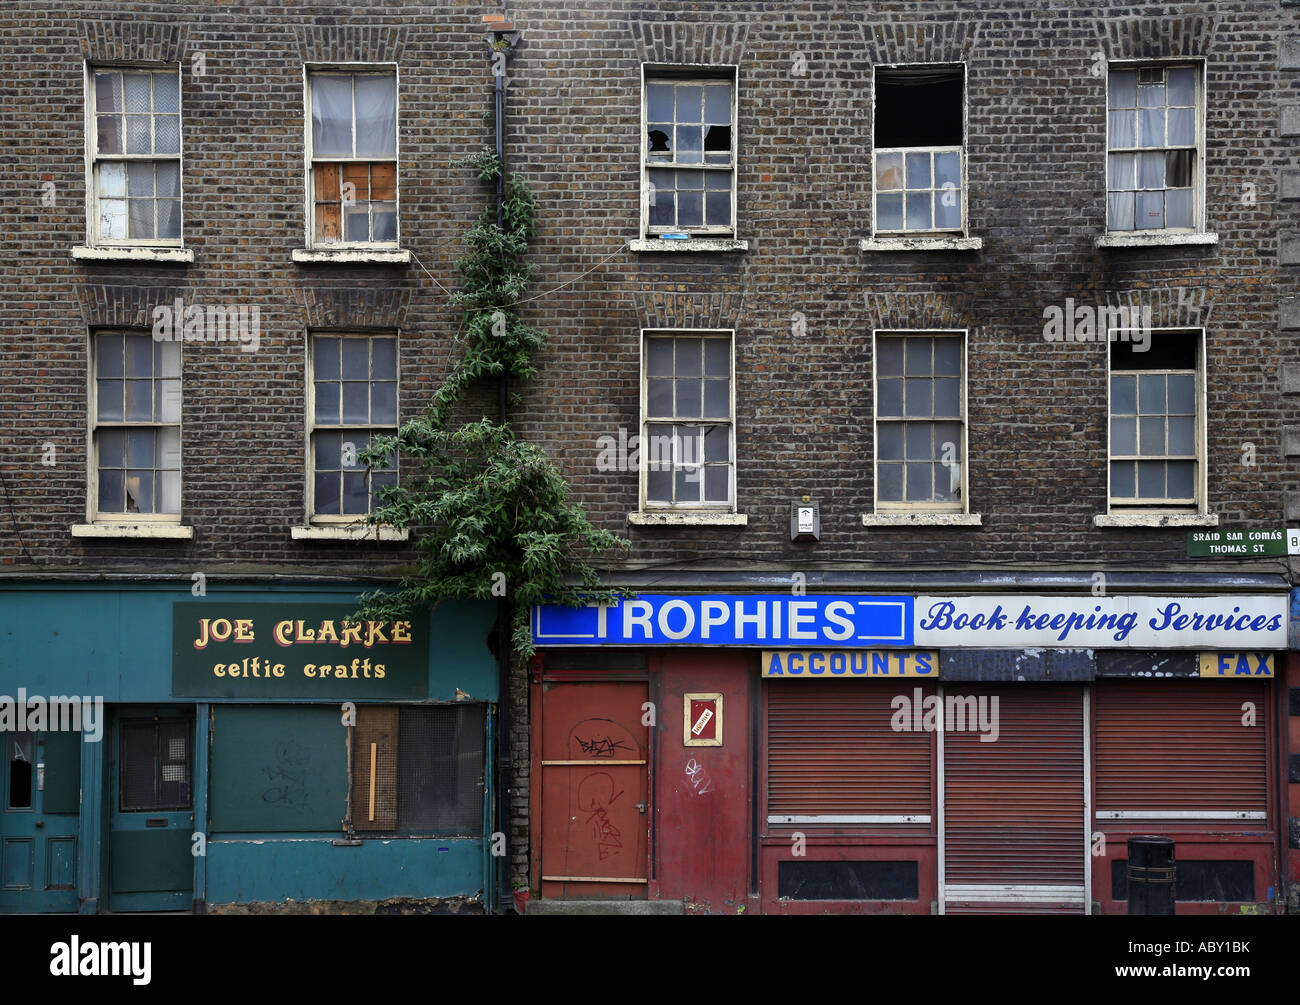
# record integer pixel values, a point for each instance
(353, 155)
(135, 154)
(1154, 147)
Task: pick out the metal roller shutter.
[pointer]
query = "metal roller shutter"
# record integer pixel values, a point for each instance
(1014, 828)
(832, 754)
(1178, 750)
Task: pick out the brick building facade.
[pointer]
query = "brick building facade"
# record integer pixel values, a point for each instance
(1009, 207)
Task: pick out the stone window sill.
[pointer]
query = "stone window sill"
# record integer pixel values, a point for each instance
(352, 256)
(1153, 239)
(155, 531)
(1156, 520)
(349, 532)
(921, 244)
(175, 256)
(690, 244)
(901, 519)
(683, 518)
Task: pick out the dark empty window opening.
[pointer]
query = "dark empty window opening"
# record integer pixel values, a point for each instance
(810, 880)
(22, 751)
(917, 163)
(919, 108)
(1229, 881)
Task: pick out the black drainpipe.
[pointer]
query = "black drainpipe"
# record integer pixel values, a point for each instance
(505, 764)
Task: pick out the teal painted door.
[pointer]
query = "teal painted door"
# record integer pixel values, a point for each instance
(150, 865)
(40, 793)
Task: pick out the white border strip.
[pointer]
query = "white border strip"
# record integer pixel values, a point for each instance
(1014, 892)
(1182, 815)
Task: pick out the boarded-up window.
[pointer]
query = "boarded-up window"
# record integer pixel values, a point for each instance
(278, 769)
(354, 157)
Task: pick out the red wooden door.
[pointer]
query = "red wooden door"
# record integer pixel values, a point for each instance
(594, 791)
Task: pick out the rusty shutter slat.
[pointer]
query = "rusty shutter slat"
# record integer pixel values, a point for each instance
(1013, 808)
(831, 751)
(1180, 745)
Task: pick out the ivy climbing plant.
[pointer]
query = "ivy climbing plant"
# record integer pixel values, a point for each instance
(489, 513)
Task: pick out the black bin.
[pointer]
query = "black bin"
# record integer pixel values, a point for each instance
(1150, 875)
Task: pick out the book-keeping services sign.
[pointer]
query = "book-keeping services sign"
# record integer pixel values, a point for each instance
(1008, 621)
(300, 651)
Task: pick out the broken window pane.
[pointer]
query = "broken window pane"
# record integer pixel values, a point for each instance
(22, 768)
(718, 138)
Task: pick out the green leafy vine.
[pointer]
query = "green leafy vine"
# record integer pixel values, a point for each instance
(489, 512)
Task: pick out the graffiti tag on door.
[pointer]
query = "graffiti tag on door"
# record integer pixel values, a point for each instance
(700, 781)
(595, 796)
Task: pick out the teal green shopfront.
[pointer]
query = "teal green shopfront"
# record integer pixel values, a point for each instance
(250, 749)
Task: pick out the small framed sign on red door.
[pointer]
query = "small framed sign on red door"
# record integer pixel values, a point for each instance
(702, 719)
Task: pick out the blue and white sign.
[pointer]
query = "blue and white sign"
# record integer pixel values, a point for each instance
(1007, 621)
(1124, 622)
(765, 620)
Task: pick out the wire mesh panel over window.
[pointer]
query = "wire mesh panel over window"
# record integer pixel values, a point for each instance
(440, 770)
(374, 769)
(155, 765)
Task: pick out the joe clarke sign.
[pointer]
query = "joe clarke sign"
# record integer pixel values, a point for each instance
(986, 621)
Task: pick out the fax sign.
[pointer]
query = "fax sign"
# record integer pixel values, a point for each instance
(1237, 665)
